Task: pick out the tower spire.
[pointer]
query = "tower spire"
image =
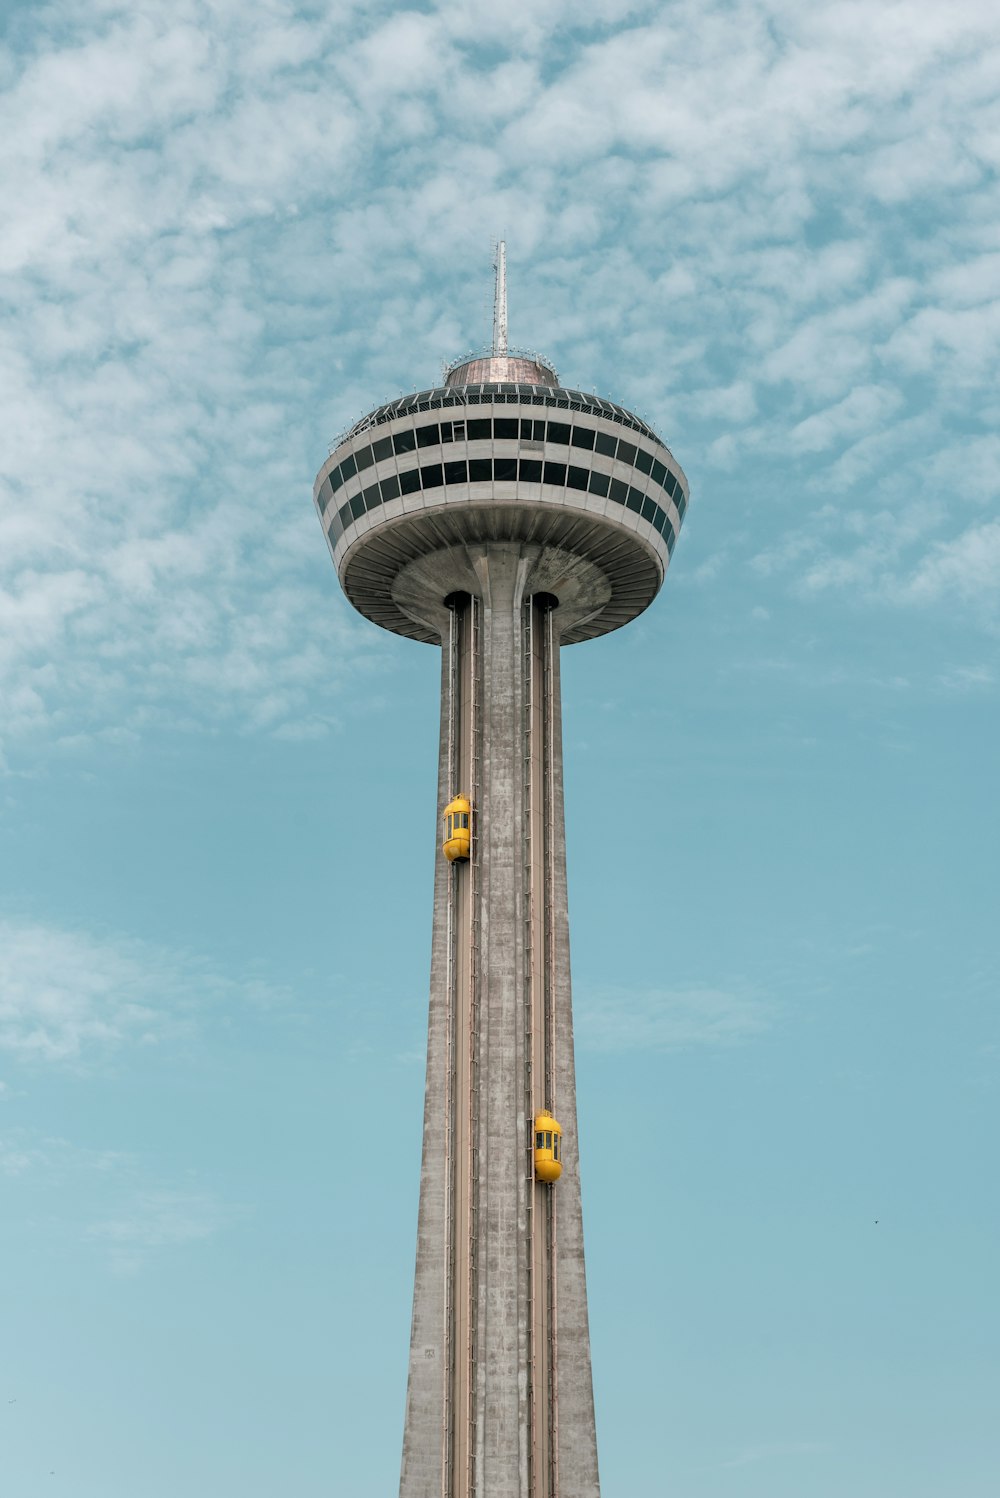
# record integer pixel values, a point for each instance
(500, 302)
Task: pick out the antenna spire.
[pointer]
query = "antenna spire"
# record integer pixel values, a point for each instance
(500, 302)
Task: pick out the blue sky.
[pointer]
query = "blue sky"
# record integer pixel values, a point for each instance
(230, 229)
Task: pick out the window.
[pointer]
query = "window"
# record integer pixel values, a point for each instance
(390, 488)
(382, 448)
(448, 827)
(576, 478)
(458, 430)
(480, 469)
(505, 426)
(634, 500)
(648, 508)
(336, 479)
(456, 473)
(432, 475)
(480, 429)
(364, 458)
(371, 497)
(357, 507)
(348, 468)
(531, 471)
(345, 516)
(336, 530)
(659, 472)
(404, 442)
(555, 1146)
(428, 436)
(465, 819)
(505, 468)
(558, 431)
(605, 444)
(555, 473)
(539, 1141)
(583, 437)
(446, 430)
(619, 491)
(325, 495)
(626, 452)
(548, 1139)
(532, 431)
(671, 485)
(643, 460)
(599, 483)
(409, 483)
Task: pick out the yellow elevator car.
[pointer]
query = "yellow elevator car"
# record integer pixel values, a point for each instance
(457, 829)
(548, 1147)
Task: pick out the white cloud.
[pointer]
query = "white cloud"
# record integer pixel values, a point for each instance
(669, 1019)
(73, 998)
(153, 1220)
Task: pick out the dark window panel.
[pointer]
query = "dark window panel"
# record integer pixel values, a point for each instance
(505, 468)
(446, 431)
(432, 475)
(456, 473)
(390, 488)
(371, 497)
(429, 436)
(458, 431)
(626, 452)
(672, 486)
(364, 459)
(348, 468)
(409, 483)
(576, 478)
(681, 502)
(599, 483)
(382, 449)
(357, 507)
(605, 444)
(324, 496)
(671, 539)
(643, 460)
(527, 430)
(505, 426)
(583, 437)
(555, 473)
(649, 508)
(531, 471)
(659, 519)
(336, 479)
(480, 469)
(558, 431)
(479, 429)
(659, 472)
(345, 515)
(404, 442)
(336, 530)
(634, 500)
(619, 491)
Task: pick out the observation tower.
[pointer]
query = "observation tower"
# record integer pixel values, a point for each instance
(500, 517)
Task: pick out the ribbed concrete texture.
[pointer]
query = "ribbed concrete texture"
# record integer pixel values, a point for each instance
(502, 518)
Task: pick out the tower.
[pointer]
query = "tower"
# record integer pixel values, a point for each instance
(500, 517)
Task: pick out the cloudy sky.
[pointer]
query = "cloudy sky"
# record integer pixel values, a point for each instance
(226, 231)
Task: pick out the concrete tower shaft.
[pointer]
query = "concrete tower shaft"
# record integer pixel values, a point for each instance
(500, 520)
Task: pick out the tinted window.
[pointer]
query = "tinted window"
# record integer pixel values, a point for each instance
(539, 1141)
(505, 426)
(364, 458)
(531, 471)
(336, 530)
(659, 472)
(357, 506)
(606, 444)
(404, 442)
(428, 436)
(479, 429)
(336, 479)
(643, 461)
(446, 430)
(348, 468)
(583, 437)
(505, 468)
(634, 500)
(681, 502)
(659, 520)
(558, 431)
(344, 515)
(456, 473)
(390, 488)
(626, 452)
(382, 448)
(671, 485)
(409, 483)
(480, 469)
(619, 491)
(555, 473)
(649, 509)
(533, 431)
(576, 478)
(599, 483)
(325, 495)
(432, 476)
(371, 497)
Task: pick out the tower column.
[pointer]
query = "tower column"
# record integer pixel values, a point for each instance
(489, 1413)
